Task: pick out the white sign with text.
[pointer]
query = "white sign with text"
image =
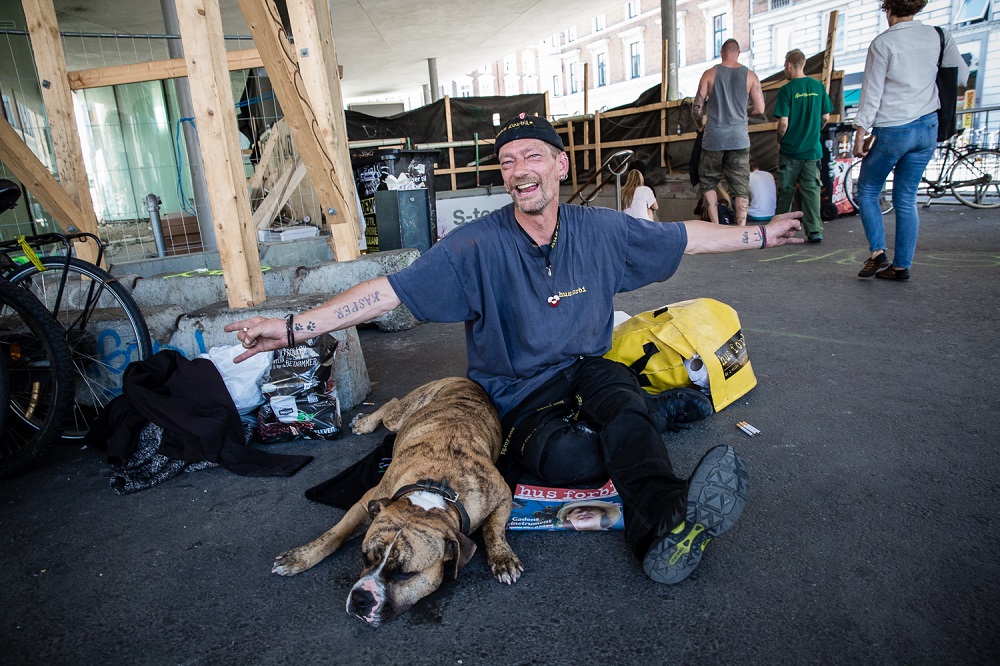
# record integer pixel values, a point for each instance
(456, 211)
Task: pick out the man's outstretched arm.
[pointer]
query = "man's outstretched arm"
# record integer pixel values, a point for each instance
(707, 238)
(360, 303)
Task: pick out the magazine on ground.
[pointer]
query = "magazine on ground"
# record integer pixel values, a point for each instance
(580, 509)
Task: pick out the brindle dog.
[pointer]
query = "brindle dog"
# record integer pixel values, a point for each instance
(442, 478)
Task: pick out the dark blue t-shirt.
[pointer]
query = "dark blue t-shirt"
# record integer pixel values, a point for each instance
(490, 275)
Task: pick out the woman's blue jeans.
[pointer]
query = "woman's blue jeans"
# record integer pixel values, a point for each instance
(907, 148)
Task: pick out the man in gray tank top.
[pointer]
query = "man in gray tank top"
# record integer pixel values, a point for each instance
(723, 94)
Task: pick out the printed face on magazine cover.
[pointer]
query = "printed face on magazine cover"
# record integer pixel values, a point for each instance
(586, 518)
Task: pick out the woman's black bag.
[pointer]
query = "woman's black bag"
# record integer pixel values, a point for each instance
(947, 85)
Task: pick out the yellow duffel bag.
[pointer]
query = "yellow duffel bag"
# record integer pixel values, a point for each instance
(656, 344)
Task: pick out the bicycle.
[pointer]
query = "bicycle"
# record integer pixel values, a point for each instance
(104, 326)
(37, 369)
(970, 174)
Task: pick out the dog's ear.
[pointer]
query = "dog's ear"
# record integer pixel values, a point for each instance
(461, 549)
(376, 505)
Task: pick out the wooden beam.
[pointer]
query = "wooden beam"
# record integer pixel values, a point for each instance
(50, 64)
(200, 23)
(317, 58)
(586, 88)
(35, 177)
(831, 38)
(597, 140)
(157, 70)
(451, 151)
(278, 130)
(286, 78)
(279, 194)
(572, 156)
(664, 65)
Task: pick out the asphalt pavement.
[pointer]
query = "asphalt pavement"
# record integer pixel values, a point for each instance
(870, 537)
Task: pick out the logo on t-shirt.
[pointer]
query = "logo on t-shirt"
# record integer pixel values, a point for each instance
(806, 94)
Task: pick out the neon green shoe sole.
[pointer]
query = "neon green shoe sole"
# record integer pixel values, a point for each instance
(717, 492)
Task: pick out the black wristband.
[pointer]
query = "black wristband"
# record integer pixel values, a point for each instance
(290, 331)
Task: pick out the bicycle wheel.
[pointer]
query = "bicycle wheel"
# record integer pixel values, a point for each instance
(104, 326)
(39, 371)
(975, 179)
(851, 188)
(4, 396)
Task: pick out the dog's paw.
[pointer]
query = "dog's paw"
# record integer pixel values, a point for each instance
(362, 424)
(292, 562)
(506, 568)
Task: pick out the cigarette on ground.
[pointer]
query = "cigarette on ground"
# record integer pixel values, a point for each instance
(368, 404)
(745, 429)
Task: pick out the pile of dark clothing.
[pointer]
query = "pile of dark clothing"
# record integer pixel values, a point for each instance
(176, 415)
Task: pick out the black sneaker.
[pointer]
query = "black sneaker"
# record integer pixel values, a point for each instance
(873, 265)
(893, 273)
(680, 405)
(717, 492)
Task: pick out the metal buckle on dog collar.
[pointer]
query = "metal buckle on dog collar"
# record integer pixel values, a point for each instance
(444, 490)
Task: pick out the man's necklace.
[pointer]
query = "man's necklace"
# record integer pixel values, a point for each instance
(552, 300)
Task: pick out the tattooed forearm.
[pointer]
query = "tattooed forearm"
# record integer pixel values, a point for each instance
(746, 237)
(697, 108)
(308, 326)
(359, 304)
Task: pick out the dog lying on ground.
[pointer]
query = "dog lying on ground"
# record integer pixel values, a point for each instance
(441, 486)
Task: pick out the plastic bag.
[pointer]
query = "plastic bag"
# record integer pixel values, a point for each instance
(301, 394)
(242, 379)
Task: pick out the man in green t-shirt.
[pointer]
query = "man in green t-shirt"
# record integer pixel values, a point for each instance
(802, 109)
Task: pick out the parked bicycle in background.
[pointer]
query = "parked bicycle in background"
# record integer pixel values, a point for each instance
(99, 323)
(960, 172)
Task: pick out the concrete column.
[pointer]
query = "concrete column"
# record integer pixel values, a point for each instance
(432, 73)
(427, 94)
(176, 50)
(668, 21)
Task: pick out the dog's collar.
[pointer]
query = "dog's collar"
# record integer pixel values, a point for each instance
(444, 490)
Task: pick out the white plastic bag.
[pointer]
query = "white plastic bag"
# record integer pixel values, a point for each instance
(242, 379)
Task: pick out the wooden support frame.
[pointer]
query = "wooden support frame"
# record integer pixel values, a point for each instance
(664, 74)
(831, 38)
(317, 58)
(200, 23)
(157, 70)
(451, 150)
(35, 176)
(286, 77)
(586, 88)
(50, 63)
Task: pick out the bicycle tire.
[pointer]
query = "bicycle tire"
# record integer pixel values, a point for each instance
(105, 332)
(978, 176)
(39, 368)
(851, 185)
(4, 395)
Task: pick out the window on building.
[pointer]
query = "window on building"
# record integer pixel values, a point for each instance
(530, 87)
(602, 69)
(635, 60)
(509, 64)
(486, 88)
(778, 4)
(781, 42)
(972, 11)
(528, 63)
(600, 23)
(556, 86)
(571, 34)
(718, 34)
(554, 40)
(465, 90)
(632, 8)
(574, 77)
(840, 39)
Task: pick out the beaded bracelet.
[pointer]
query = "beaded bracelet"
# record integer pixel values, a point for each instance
(763, 236)
(290, 331)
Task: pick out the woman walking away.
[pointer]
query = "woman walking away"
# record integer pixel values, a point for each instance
(637, 199)
(899, 100)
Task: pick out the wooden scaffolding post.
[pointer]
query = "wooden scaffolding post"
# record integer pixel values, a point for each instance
(50, 63)
(317, 57)
(597, 142)
(200, 23)
(283, 70)
(586, 88)
(664, 65)
(572, 155)
(451, 149)
(831, 38)
(34, 175)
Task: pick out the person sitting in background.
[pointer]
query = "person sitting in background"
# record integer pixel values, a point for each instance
(763, 195)
(637, 199)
